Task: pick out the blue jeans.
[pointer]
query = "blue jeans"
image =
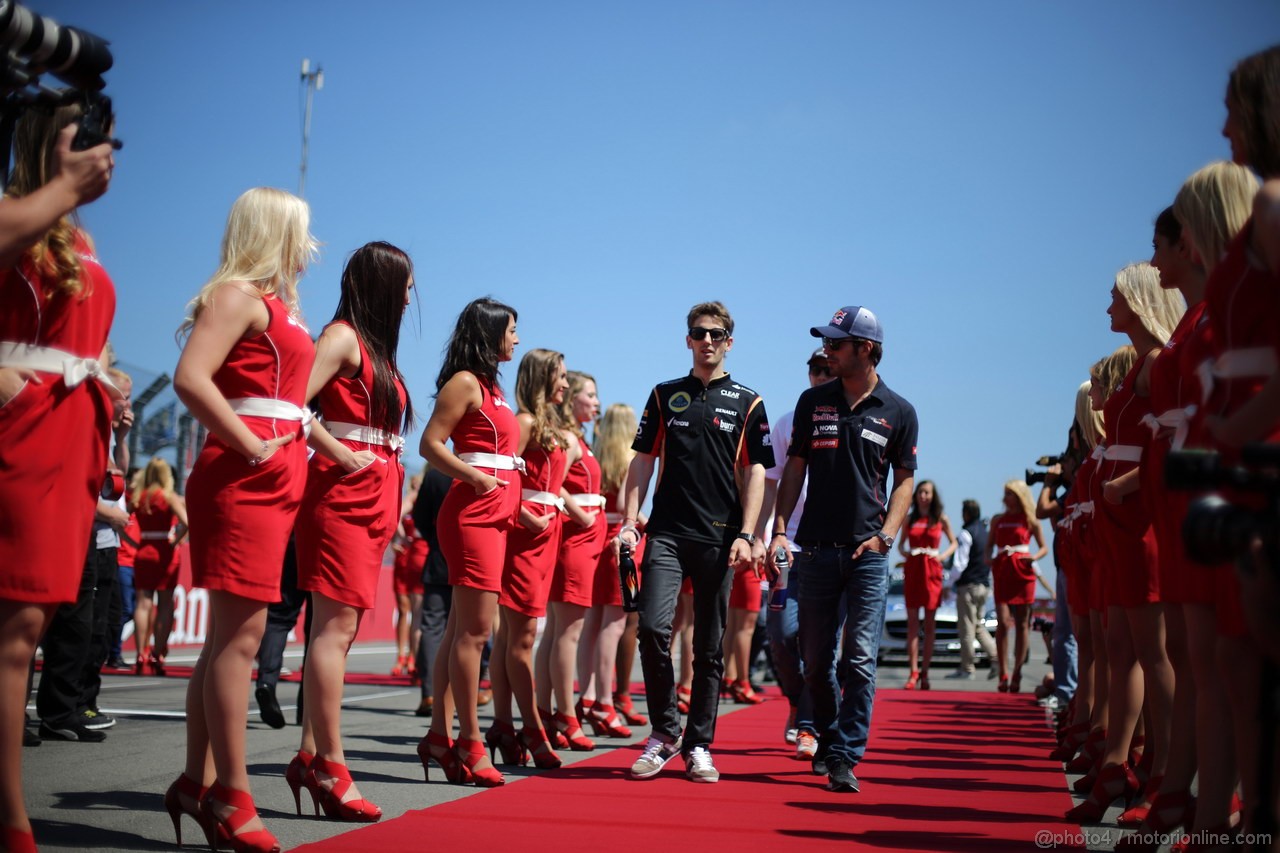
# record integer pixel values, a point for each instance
(1064, 644)
(783, 627)
(829, 578)
(127, 602)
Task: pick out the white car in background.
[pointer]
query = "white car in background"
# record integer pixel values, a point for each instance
(946, 645)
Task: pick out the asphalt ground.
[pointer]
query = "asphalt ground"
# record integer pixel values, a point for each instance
(108, 796)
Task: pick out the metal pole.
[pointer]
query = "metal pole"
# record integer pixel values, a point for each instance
(314, 81)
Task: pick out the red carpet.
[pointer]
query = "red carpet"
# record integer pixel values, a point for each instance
(944, 771)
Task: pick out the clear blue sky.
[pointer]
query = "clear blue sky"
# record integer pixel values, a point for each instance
(973, 172)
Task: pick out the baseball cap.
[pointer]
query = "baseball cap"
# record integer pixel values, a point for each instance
(851, 321)
(818, 355)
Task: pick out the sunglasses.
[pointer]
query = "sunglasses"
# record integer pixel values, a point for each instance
(698, 333)
(834, 344)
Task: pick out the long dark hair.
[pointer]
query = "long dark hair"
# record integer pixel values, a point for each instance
(935, 506)
(476, 342)
(372, 302)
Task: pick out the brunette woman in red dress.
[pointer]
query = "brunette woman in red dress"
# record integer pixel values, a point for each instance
(1014, 577)
(921, 535)
(1140, 673)
(351, 506)
(406, 582)
(574, 574)
(474, 522)
(541, 387)
(162, 523)
(606, 620)
(56, 304)
(243, 374)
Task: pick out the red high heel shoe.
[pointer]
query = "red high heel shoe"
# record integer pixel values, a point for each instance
(1137, 813)
(535, 743)
(582, 709)
(242, 813)
(502, 740)
(330, 799)
(438, 748)
(571, 730)
(622, 704)
(184, 788)
(142, 662)
(605, 723)
(924, 680)
(1115, 782)
(402, 666)
(743, 694)
(558, 740)
(1015, 683)
(295, 775)
(157, 665)
(912, 679)
(471, 753)
(1167, 813)
(17, 841)
(1073, 738)
(1089, 753)
(683, 695)
(1003, 686)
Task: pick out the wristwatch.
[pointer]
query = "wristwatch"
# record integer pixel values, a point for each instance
(747, 537)
(886, 539)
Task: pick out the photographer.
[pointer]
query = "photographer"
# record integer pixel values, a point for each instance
(56, 409)
(1049, 506)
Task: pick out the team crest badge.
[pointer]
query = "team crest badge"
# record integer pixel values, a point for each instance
(838, 317)
(679, 401)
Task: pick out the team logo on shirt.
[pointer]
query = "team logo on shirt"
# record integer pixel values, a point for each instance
(725, 425)
(679, 401)
(838, 317)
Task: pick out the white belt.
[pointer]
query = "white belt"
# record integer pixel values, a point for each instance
(493, 460)
(1178, 420)
(1235, 364)
(614, 517)
(536, 497)
(1098, 451)
(1123, 453)
(932, 552)
(586, 501)
(155, 534)
(74, 369)
(1016, 549)
(269, 407)
(366, 434)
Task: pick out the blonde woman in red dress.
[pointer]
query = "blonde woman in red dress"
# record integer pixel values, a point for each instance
(56, 306)
(243, 374)
(1014, 577)
(162, 524)
(351, 506)
(921, 535)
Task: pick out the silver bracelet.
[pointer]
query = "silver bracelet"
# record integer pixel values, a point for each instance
(262, 455)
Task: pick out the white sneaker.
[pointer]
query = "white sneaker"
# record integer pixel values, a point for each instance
(698, 766)
(806, 746)
(657, 753)
(789, 735)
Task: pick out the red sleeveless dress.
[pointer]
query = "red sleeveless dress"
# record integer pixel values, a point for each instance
(580, 547)
(473, 528)
(1174, 391)
(409, 563)
(346, 521)
(1066, 557)
(155, 564)
(127, 551)
(606, 590)
(1243, 305)
(1012, 575)
(1129, 553)
(53, 439)
(241, 515)
(531, 555)
(922, 577)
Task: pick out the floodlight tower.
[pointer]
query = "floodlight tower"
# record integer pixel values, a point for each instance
(314, 82)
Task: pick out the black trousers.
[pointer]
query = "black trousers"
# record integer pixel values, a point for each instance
(281, 617)
(106, 616)
(667, 561)
(437, 601)
(66, 645)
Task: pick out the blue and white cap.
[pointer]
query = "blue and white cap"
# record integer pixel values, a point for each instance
(851, 321)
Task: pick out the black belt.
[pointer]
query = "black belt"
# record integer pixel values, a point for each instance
(813, 546)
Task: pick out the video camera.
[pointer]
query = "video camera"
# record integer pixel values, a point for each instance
(1216, 529)
(1034, 476)
(32, 45)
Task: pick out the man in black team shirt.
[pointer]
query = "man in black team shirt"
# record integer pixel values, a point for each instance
(712, 434)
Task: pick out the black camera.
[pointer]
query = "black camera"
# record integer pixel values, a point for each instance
(1046, 461)
(1216, 530)
(36, 44)
(1034, 476)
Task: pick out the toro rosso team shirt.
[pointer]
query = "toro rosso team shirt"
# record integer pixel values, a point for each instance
(849, 453)
(700, 434)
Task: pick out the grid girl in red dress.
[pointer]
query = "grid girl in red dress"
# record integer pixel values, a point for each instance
(162, 525)
(922, 576)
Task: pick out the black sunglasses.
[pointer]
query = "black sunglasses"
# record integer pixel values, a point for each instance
(698, 333)
(834, 344)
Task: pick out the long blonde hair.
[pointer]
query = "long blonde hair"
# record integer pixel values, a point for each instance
(156, 479)
(267, 243)
(1158, 309)
(537, 375)
(614, 433)
(1090, 422)
(1023, 494)
(1111, 371)
(54, 254)
(1212, 206)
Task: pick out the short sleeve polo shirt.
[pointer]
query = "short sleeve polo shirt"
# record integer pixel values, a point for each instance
(848, 453)
(701, 435)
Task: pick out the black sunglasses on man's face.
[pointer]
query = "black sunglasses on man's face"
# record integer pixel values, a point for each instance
(698, 333)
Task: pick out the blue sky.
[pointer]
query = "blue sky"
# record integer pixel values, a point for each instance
(975, 173)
